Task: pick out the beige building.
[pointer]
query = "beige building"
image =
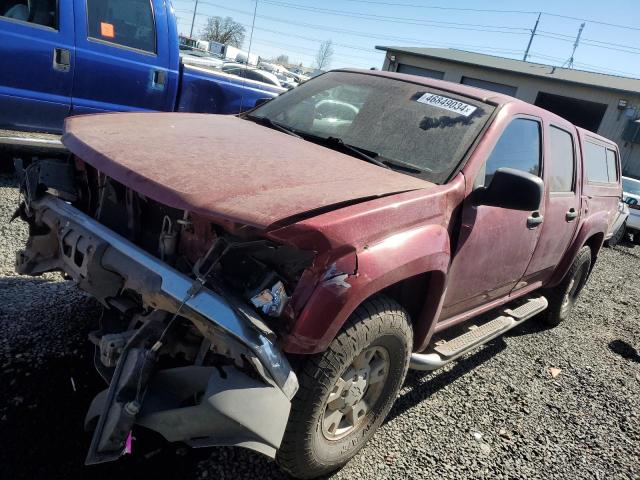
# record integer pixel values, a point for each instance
(606, 104)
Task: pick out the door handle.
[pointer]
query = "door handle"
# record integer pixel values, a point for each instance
(571, 215)
(534, 220)
(159, 79)
(61, 59)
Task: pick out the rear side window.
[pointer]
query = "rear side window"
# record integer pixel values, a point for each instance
(518, 147)
(39, 12)
(128, 23)
(561, 162)
(600, 163)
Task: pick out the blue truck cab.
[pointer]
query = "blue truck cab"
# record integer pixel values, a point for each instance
(73, 57)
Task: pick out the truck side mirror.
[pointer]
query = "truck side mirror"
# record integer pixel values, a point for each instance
(512, 189)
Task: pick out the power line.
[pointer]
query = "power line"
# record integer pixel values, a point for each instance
(569, 38)
(369, 50)
(598, 22)
(524, 12)
(392, 19)
(435, 7)
(604, 45)
(438, 24)
(581, 64)
(325, 28)
(338, 44)
(405, 20)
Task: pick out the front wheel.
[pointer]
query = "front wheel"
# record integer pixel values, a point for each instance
(346, 392)
(563, 297)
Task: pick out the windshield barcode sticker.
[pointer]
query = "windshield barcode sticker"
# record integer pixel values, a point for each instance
(447, 104)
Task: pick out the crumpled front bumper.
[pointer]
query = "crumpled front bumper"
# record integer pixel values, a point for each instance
(235, 409)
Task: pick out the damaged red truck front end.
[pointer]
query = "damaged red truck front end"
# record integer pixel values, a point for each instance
(218, 265)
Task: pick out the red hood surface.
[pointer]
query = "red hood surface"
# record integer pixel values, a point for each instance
(222, 166)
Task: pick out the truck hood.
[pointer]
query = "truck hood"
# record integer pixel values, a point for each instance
(224, 167)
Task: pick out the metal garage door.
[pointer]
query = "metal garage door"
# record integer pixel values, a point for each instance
(493, 86)
(423, 72)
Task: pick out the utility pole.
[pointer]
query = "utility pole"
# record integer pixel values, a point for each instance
(575, 46)
(533, 34)
(193, 20)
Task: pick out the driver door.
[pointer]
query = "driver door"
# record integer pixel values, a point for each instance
(496, 244)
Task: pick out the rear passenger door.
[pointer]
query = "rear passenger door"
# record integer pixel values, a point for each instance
(562, 210)
(36, 64)
(122, 57)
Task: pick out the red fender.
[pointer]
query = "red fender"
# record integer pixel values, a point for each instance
(398, 257)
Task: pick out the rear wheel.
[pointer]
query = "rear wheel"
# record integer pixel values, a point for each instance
(636, 237)
(563, 297)
(346, 392)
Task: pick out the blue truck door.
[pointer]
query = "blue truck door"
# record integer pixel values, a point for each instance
(36, 64)
(123, 57)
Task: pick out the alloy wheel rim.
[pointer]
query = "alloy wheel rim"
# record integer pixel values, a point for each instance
(355, 393)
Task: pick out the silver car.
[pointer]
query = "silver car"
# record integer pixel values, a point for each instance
(631, 196)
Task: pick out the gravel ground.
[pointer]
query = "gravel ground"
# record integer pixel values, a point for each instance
(497, 413)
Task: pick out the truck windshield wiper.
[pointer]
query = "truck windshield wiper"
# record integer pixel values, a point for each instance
(270, 123)
(397, 164)
(376, 158)
(357, 151)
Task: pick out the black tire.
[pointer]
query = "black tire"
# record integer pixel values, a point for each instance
(617, 237)
(6, 162)
(379, 324)
(636, 237)
(563, 297)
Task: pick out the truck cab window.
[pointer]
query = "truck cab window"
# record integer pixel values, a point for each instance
(40, 12)
(128, 23)
(561, 163)
(518, 147)
(595, 163)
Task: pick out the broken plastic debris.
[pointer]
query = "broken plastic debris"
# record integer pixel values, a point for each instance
(554, 372)
(73, 384)
(271, 301)
(127, 445)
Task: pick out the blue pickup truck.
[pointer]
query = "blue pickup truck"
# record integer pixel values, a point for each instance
(72, 57)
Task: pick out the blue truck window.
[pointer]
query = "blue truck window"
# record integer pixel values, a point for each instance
(40, 12)
(128, 23)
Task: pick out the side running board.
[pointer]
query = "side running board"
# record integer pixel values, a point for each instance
(31, 140)
(446, 352)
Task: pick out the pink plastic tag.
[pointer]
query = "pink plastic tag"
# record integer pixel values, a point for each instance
(127, 445)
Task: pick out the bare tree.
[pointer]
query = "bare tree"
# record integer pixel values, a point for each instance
(324, 55)
(224, 30)
(282, 59)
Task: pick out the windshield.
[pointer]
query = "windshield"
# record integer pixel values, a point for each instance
(631, 186)
(420, 127)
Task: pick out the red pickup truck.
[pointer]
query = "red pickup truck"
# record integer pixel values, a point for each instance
(268, 278)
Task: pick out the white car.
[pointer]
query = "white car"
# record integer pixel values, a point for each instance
(199, 58)
(631, 196)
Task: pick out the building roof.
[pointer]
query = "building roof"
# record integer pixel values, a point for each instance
(592, 79)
